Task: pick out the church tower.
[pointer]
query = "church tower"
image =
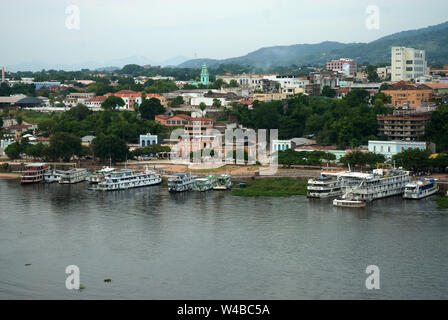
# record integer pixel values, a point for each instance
(204, 75)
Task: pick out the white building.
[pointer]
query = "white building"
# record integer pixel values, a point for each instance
(391, 148)
(407, 63)
(95, 103)
(252, 81)
(72, 99)
(384, 72)
(196, 101)
(280, 145)
(288, 82)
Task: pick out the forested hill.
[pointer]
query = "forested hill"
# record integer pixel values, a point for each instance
(433, 39)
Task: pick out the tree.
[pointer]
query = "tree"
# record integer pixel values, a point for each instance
(216, 103)
(80, 111)
(357, 97)
(372, 75)
(358, 158)
(440, 162)
(202, 106)
(35, 150)
(13, 150)
(233, 84)
(328, 92)
(177, 101)
(65, 145)
(110, 146)
(437, 129)
(52, 99)
(384, 86)
(150, 108)
(413, 159)
(19, 119)
(112, 102)
(153, 149)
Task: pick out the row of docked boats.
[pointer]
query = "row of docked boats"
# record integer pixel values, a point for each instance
(109, 179)
(41, 172)
(185, 182)
(356, 189)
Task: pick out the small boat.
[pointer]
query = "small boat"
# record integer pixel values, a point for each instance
(181, 182)
(243, 184)
(204, 184)
(420, 189)
(73, 176)
(52, 176)
(349, 203)
(223, 182)
(98, 176)
(33, 173)
(128, 179)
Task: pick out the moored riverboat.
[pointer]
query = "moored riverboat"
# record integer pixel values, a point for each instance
(326, 186)
(51, 176)
(98, 176)
(73, 176)
(181, 182)
(223, 182)
(204, 184)
(421, 188)
(33, 173)
(128, 179)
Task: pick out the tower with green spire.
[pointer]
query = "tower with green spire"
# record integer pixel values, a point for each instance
(204, 75)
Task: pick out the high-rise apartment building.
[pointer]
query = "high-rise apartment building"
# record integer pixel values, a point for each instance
(407, 63)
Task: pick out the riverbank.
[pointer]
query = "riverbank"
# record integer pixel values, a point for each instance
(442, 202)
(274, 187)
(9, 175)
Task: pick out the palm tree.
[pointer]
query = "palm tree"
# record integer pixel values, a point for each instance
(202, 106)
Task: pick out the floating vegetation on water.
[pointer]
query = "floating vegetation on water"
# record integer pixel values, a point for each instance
(81, 287)
(272, 187)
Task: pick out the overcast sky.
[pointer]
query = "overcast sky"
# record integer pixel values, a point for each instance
(34, 30)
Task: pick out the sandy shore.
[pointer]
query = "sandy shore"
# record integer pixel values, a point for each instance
(4, 175)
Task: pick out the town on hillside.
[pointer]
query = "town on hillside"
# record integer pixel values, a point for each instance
(333, 112)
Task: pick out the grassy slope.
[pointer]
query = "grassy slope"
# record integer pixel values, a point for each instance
(442, 202)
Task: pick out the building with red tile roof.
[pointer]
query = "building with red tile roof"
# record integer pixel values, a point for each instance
(131, 97)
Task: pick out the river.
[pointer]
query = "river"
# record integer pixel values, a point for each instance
(157, 245)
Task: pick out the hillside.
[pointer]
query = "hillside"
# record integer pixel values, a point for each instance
(433, 39)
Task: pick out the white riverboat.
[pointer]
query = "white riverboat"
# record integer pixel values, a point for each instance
(421, 188)
(128, 179)
(98, 176)
(326, 186)
(181, 182)
(204, 184)
(223, 182)
(73, 176)
(52, 176)
(366, 187)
